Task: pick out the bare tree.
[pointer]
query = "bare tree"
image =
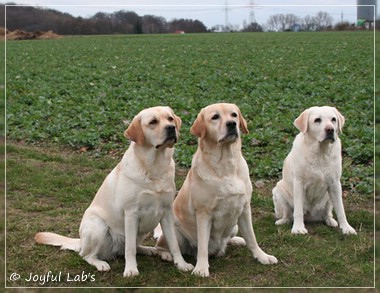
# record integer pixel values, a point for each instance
(308, 23)
(323, 20)
(126, 22)
(274, 22)
(290, 20)
(187, 25)
(252, 27)
(101, 22)
(153, 24)
(282, 22)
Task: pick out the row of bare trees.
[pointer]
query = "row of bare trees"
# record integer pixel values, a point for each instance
(283, 22)
(123, 22)
(286, 22)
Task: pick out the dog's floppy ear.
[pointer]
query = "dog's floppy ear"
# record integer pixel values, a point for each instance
(243, 124)
(134, 131)
(302, 121)
(199, 125)
(177, 122)
(341, 119)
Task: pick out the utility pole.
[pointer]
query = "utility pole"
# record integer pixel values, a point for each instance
(252, 18)
(226, 16)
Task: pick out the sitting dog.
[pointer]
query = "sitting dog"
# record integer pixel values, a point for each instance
(311, 175)
(133, 199)
(215, 198)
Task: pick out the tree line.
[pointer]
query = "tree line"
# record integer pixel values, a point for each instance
(128, 22)
(120, 22)
(320, 22)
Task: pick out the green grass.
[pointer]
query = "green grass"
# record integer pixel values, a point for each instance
(78, 91)
(321, 259)
(66, 103)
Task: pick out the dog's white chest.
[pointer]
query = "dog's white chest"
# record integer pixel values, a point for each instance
(148, 204)
(228, 189)
(320, 174)
(317, 182)
(230, 199)
(150, 209)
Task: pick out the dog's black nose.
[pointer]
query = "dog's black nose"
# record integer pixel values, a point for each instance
(330, 130)
(231, 124)
(170, 128)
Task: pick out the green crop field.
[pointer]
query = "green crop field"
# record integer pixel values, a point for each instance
(68, 103)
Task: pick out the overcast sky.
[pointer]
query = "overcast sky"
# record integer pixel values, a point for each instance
(210, 12)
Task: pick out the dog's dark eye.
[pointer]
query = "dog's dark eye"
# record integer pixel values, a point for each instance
(333, 120)
(170, 119)
(317, 120)
(153, 122)
(234, 114)
(215, 117)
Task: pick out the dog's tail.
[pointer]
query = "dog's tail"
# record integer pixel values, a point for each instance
(58, 240)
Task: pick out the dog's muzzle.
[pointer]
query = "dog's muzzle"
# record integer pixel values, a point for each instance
(171, 137)
(330, 135)
(170, 132)
(232, 132)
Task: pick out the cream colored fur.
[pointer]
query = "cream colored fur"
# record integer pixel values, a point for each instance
(310, 185)
(133, 199)
(215, 198)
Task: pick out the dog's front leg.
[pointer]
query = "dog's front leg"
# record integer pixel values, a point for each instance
(167, 224)
(246, 230)
(335, 194)
(203, 231)
(131, 227)
(298, 196)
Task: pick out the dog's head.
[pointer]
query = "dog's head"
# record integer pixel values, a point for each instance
(322, 123)
(156, 126)
(219, 123)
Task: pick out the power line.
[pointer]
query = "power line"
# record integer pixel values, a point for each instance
(226, 9)
(252, 17)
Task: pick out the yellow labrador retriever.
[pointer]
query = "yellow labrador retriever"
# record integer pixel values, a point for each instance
(215, 198)
(311, 175)
(133, 199)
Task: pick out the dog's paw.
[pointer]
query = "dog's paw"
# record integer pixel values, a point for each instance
(237, 241)
(348, 230)
(299, 230)
(272, 259)
(165, 255)
(99, 264)
(331, 222)
(130, 272)
(202, 272)
(264, 258)
(283, 221)
(268, 259)
(184, 266)
(103, 266)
